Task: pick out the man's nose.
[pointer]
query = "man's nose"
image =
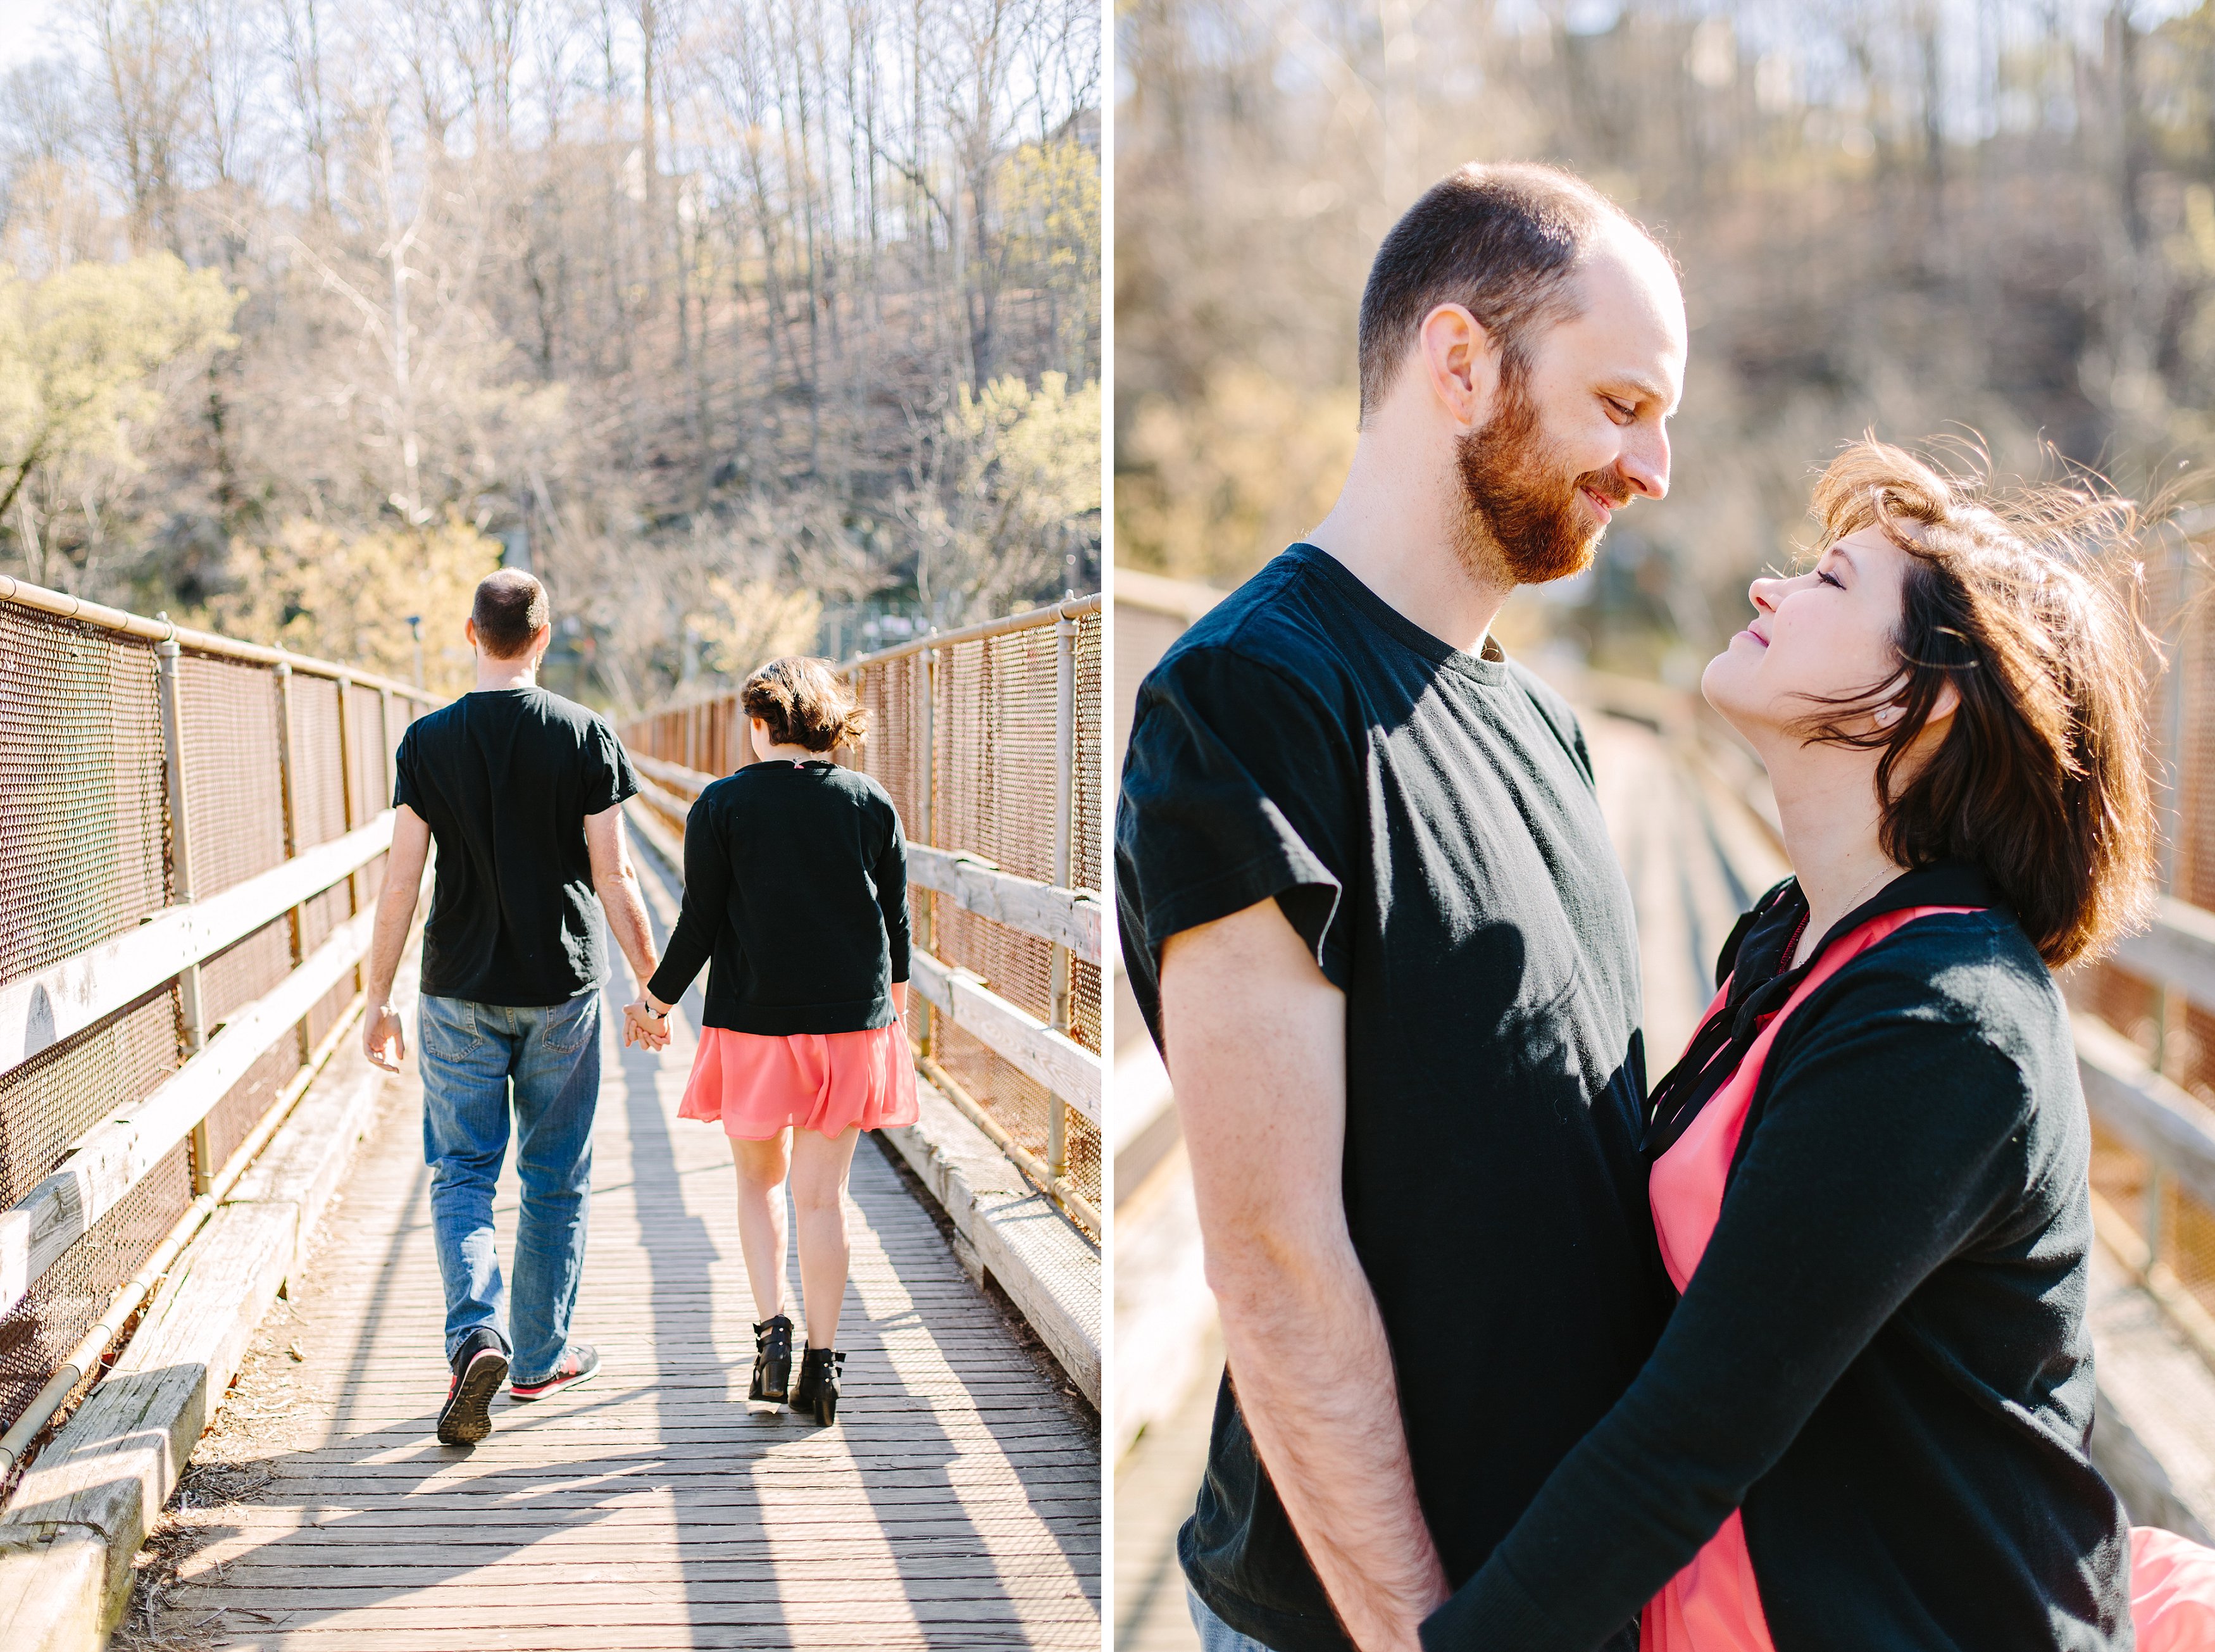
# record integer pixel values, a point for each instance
(1645, 463)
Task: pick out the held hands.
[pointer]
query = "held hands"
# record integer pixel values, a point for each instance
(643, 1024)
(381, 1039)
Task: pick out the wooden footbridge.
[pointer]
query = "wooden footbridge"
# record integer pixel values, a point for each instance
(191, 836)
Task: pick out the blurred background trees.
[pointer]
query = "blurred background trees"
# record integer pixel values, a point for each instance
(1922, 216)
(689, 305)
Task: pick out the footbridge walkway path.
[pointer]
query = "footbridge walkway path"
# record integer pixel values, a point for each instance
(220, 1311)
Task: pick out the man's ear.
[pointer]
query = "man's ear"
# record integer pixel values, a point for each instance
(469, 634)
(541, 640)
(1461, 361)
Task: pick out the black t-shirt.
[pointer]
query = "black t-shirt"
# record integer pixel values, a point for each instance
(1427, 820)
(796, 884)
(506, 777)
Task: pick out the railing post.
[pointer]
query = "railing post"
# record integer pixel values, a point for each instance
(1065, 786)
(390, 747)
(926, 723)
(167, 655)
(288, 773)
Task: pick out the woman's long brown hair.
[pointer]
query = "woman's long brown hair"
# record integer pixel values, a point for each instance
(2028, 604)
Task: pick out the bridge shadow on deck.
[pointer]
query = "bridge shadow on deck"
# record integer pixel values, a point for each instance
(956, 1505)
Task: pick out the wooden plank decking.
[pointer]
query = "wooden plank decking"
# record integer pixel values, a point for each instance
(955, 1505)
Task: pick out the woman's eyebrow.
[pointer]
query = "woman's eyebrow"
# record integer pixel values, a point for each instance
(1838, 549)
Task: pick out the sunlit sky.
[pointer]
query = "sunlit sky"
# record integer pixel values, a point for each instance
(24, 29)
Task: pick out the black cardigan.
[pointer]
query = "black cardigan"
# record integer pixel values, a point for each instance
(1882, 1355)
(796, 878)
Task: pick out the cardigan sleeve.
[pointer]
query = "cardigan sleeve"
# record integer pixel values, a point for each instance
(707, 892)
(890, 876)
(1892, 1135)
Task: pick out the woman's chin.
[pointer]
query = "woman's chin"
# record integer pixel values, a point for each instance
(1722, 686)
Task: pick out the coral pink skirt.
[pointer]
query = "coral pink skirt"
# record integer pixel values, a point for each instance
(829, 1083)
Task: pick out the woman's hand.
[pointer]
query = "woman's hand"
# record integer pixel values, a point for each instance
(645, 1023)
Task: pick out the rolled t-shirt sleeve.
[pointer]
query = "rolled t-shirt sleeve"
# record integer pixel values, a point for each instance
(1239, 785)
(406, 788)
(609, 778)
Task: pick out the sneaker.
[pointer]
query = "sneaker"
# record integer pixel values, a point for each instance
(580, 1363)
(480, 1367)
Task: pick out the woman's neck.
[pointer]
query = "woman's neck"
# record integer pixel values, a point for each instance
(1826, 802)
(794, 753)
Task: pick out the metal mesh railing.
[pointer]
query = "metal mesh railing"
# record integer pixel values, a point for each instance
(97, 834)
(967, 736)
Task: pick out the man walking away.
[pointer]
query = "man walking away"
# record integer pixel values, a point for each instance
(1369, 905)
(523, 790)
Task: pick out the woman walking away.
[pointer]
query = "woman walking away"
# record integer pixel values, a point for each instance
(1868, 1423)
(795, 886)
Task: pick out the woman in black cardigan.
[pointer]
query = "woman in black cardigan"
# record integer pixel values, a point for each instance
(795, 897)
(1865, 1427)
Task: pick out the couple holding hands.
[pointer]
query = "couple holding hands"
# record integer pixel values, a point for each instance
(1789, 1349)
(795, 897)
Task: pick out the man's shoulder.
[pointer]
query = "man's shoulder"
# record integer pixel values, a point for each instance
(1275, 631)
(559, 711)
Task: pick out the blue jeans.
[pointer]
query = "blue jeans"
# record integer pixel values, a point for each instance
(468, 1053)
(1215, 1635)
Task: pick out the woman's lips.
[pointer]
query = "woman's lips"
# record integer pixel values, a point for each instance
(1756, 635)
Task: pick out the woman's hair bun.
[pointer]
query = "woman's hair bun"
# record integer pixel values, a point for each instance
(805, 703)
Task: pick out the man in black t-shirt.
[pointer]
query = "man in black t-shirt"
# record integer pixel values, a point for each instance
(1371, 914)
(522, 791)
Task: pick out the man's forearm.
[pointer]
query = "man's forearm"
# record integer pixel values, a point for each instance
(625, 906)
(1256, 1049)
(395, 911)
(1316, 1385)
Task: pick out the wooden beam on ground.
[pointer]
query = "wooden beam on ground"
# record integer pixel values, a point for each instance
(114, 1157)
(2179, 948)
(39, 1009)
(1062, 1064)
(1070, 918)
(2172, 1128)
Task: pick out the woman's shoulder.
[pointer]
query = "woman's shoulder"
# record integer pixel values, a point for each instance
(1951, 990)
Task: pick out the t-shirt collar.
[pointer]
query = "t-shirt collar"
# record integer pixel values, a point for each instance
(1489, 667)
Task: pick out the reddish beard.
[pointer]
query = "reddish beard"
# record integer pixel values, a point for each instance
(1522, 512)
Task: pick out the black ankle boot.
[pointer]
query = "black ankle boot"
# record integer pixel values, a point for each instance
(816, 1390)
(772, 1359)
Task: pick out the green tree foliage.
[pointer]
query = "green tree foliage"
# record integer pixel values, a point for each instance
(81, 356)
(1014, 498)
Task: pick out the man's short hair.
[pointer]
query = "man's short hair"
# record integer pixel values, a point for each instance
(509, 610)
(1502, 241)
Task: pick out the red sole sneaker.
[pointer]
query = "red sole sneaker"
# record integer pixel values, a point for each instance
(466, 1417)
(582, 1366)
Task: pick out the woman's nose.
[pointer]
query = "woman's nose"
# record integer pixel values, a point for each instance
(1764, 594)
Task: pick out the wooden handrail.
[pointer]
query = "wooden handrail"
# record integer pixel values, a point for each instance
(2172, 1128)
(1056, 1060)
(2180, 947)
(47, 1005)
(116, 1155)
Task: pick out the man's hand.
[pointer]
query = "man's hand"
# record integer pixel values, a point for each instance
(383, 1039)
(1257, 1038)
(395, 911)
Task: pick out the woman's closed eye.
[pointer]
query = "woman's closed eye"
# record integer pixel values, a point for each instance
(1829, 577)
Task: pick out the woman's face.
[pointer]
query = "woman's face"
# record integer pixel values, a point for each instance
(1827, 633)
